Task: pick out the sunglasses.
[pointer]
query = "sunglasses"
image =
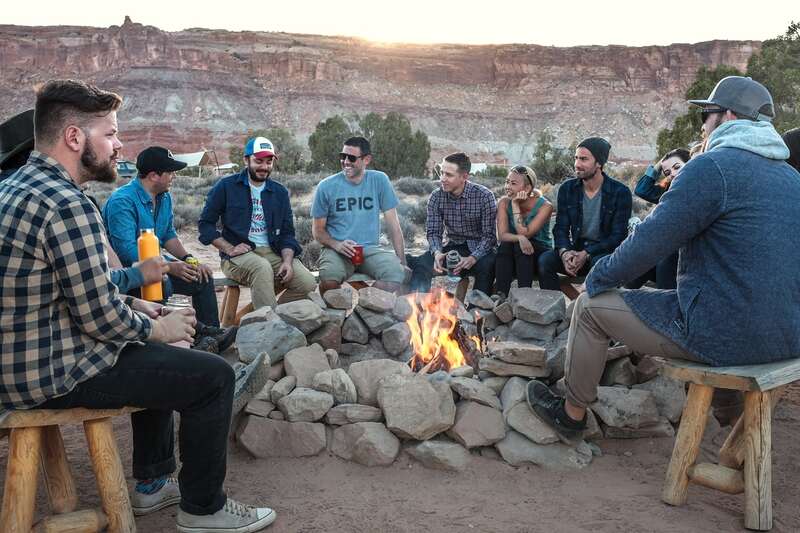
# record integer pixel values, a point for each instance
(705, 113)
(519, 169)
(350, 157)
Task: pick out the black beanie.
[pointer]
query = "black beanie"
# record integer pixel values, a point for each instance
(792, 140)
(599, 148)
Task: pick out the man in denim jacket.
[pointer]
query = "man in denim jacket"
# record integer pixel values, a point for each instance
(591, 218)
(730, 214)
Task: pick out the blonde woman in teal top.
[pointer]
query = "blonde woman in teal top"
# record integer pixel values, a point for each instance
(523, 229)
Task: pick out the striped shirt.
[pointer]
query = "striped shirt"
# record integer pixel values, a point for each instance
(62, 320)
(468, 218)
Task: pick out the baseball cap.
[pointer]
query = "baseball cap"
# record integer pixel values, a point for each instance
(744, 96)
(259, 147)
(157, 159)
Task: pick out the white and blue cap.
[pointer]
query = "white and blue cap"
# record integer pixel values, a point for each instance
(259, 147)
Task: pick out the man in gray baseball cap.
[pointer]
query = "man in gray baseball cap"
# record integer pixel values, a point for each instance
(743, 97)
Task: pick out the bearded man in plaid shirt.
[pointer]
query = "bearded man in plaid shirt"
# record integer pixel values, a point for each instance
(467, 212)
(69, 339)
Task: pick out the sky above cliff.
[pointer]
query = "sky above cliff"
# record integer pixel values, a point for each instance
(557, 23)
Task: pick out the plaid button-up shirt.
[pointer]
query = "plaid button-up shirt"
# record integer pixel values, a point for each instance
(470, 217)
(61, 318)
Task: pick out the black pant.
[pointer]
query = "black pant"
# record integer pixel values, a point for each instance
(664, 274)
(512, 262)
(422, 269)
(163, 379)
(204, 300)
(550, 266)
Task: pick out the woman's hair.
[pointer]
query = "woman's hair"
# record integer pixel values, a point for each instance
(680, 153)
(530, 175)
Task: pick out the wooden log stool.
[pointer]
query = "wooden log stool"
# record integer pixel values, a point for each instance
(34, 438)
(229, 312)
(745, 459)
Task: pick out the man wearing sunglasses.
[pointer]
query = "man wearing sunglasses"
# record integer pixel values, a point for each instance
(346, 210)
(257, 245)
(731, 217)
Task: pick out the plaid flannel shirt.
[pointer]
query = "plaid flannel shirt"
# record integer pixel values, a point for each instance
(469, 218)
(61, 318)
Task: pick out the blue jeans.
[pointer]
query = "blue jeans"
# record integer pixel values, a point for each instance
(550, 266)
(163, 379)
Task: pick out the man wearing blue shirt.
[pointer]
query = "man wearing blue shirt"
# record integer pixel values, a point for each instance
(145, 202)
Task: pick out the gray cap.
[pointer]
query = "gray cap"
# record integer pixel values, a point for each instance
(744, 96)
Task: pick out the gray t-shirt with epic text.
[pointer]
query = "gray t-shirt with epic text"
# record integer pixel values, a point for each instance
(591, 218)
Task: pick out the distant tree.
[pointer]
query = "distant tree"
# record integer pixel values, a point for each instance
(326, 143)
(396, 149)
(551, 163)
(290, 153)
(777, 66)
(686, 128)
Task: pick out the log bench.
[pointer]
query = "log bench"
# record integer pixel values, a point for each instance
(34, 438)
(745, 459)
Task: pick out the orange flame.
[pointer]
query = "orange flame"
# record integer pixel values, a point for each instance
(431, 332)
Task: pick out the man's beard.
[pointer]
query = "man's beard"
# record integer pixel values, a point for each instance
(584, 175)
(94, 170)
(256, 177)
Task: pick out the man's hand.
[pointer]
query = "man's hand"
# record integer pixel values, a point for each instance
(438, 262)
(347, 247)
(285, 272)
(152, 269)
(518, 198)
(525, 245)
(151, 309)
(185, 271)
(239, 249)
(206, 274)
(576, 262)
(566, 260)
(177, 326)
(465, 264)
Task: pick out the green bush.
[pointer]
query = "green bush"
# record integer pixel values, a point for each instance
(416, 186)
(302, 229)
(310, 255)
(299, 186)
(415, 212)
(290, 153)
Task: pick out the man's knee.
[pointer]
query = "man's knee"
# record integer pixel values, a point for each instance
(327, 285)
(549, 262)
(303, 281)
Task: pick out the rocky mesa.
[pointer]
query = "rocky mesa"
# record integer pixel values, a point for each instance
(201, 88)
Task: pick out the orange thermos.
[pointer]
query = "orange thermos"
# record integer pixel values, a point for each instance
(148, 247)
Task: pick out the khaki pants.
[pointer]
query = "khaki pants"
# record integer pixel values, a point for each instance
(594, 322)
(256, 269)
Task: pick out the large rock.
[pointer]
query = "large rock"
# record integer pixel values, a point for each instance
(305, 405)
(260, 408)
(517, 450)
(477, 425)
(621, 407)
(304, 363)
(264, 393)
(472, 389)
(265, 437)
(501, 368)
(514, 392)
(496, 383)
(354, 329)
(557, 355)
(490, 320)
(305, 315)
(619, 372)
(517, 353)
(504, 312)
(367, 376)
(396, 339)
(537, 305)
(329, 336)
(439, 454)
(479, 299)
(333, 357)
(522, 419)
(669, 395)
(336, 383)
(351, 413)
(662, 428)
(366, 443)
(402, 309)
(376, 322)
(275, 337)
(335, 316)
(262, 314)
(376, 299)
(414, 407)
(282, 388)
(528, 330)
(341, 298)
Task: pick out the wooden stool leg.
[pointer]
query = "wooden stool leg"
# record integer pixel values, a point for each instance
(19, 494)
(231, 305)
(687, 444)
(758, 461)
(57, 477)
(224, 305)
(732, 452)
(110, 476)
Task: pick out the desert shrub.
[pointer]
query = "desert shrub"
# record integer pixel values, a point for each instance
(302, 210)
(310, 255)
(186, 215)
(298, 185)
(302, 229)
(415, 212)
(416, 186)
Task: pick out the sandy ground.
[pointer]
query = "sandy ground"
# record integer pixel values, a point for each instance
(619, 491)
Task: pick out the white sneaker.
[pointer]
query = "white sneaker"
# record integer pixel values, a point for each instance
(169, 494)
(234, 517)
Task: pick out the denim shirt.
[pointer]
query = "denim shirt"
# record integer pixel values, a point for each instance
(129, 210)
(229, 201)
(615, 210)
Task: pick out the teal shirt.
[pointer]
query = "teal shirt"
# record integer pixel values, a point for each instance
(543, 237)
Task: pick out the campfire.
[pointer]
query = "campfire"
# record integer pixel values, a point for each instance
(439, 339)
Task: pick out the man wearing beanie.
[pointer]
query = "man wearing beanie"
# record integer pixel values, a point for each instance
(591, 219)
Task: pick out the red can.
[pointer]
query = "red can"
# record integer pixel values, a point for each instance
(358, 256)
